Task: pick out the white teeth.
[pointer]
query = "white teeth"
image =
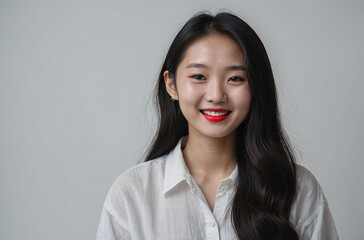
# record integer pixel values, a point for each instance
(211, 113)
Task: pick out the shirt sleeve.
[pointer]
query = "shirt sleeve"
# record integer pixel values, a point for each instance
(320, 225)
(313, 217)
(111, 225)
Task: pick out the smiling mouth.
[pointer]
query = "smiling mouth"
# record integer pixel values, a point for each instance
(217, 115)
(214, 113)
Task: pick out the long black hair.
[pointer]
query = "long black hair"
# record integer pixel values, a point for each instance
(266, 182)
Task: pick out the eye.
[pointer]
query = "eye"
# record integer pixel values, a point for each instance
(198, 77)
(236, 79)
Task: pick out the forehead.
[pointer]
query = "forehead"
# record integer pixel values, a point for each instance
(214, 49)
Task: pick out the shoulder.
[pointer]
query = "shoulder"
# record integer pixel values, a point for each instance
(140, 176)
(310, 212)
(308, 186)
(133, 184)
(126, 196)
(127, 193)
(309, 195)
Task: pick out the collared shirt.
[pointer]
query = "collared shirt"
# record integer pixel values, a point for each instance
(159, 199)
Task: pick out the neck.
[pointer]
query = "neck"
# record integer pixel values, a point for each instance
(208, 157)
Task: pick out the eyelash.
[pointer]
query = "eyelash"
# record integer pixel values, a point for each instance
(199, 75)
(240, 79)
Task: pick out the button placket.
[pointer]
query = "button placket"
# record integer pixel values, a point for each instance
(212, 231)
(211, 226)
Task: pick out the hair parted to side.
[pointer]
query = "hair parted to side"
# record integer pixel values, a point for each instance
(266, 182)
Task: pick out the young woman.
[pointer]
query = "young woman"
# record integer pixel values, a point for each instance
(220, 166)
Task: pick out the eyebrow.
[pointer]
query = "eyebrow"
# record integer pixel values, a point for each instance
(200, 65)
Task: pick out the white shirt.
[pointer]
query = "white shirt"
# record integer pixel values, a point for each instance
(159, 199)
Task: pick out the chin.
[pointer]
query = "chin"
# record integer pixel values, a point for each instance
(217, 134)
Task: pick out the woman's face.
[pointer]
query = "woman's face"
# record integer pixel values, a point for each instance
(211, 86)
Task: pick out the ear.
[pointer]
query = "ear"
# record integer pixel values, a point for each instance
(170, 86)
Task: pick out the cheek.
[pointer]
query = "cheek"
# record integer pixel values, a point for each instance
(242, 99)
(189, 98)
(189, 93)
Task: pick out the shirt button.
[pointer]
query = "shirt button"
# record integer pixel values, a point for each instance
(212, 224)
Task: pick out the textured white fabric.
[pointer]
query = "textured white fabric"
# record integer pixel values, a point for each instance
(159, 199)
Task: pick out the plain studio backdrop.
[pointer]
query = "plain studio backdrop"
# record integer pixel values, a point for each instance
(76, 80)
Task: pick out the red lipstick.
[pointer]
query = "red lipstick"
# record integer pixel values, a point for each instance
(210, 114)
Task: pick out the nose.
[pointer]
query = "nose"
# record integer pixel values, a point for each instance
(216, 92)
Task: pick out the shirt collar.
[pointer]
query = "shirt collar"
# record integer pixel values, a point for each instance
(176, 170)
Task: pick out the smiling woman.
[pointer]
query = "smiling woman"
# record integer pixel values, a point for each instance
(220, 166)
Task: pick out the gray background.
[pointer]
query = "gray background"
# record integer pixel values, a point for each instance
(75, 101)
